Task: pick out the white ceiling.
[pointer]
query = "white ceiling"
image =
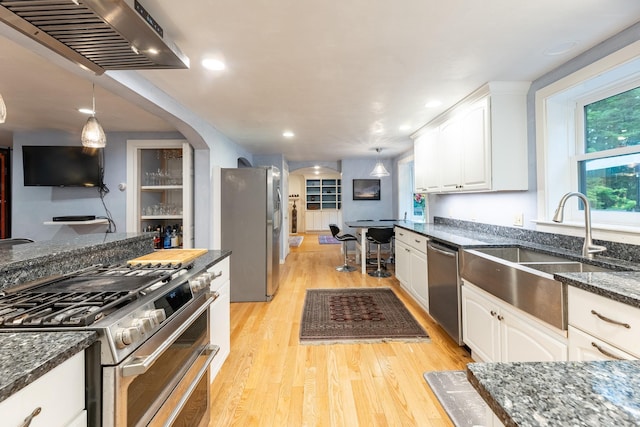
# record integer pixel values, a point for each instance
(332, 72)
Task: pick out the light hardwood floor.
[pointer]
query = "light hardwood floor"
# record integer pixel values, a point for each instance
(270, 379)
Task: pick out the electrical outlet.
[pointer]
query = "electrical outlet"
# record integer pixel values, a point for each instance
(518, 219)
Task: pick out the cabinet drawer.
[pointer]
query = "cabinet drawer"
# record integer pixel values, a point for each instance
(220, 273)
(611, 321)
(415, 240)
(584, 347)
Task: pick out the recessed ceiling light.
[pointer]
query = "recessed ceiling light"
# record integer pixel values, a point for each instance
(404, 127)
(316, 167)
(288, 134)
(153, 51)
(433, 104)
(213, 64)
(86, 110)
(561, 48)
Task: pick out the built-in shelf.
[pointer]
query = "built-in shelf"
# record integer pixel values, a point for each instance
(89, 222)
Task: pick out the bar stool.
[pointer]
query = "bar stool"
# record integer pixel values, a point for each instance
(380, 236)
(346, 268)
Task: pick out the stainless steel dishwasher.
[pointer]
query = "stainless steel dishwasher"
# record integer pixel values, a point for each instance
(444, 288)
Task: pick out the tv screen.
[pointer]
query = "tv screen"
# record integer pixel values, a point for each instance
(61, 166)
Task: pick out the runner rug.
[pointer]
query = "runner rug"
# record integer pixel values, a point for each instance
(328, 240)
(458, 398)
(334, 316)
(295, 241)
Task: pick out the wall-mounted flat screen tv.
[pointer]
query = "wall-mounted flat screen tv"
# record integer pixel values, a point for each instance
(366, 189)
(61, 166)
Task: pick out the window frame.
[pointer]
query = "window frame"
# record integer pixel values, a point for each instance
(560, 142)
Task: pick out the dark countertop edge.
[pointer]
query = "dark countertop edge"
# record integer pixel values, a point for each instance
(70, 251)
(85, 339)
(497, 409)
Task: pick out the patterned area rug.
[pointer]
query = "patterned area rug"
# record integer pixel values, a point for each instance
(457, 396)
(295, 241)
(328, 240)
(333, 316)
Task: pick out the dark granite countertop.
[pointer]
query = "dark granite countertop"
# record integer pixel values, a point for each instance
(27, 356)
(31, 261)
(621, 286)
(560, 393)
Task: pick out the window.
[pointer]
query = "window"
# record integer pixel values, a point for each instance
(610, 178)
(588, 140)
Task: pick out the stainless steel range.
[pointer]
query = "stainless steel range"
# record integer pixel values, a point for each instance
(153, 327)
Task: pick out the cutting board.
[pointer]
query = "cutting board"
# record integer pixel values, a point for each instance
(165, 256)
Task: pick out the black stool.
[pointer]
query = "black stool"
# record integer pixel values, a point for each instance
(346, 268)
(380, 236)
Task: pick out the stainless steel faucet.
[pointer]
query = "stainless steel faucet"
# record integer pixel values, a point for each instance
(589, 249)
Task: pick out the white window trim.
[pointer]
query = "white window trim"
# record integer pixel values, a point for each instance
(558, 123)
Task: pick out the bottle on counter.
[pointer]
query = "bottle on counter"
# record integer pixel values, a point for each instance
(167, 238)
(157, 243)
(174, 238)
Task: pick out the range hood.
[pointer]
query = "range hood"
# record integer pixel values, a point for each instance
(96, 34)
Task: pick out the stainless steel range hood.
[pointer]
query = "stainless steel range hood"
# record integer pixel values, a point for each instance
(97, 34)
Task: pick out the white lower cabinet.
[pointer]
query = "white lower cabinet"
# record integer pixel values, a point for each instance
(220, 327)
(319, 220)
(601, 328)
(498, 332)
(59, 394)
(411, 264)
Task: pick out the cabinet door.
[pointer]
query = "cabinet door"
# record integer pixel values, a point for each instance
(475, 139)
(329, 217)
(524, 341)
(426, 162)
(480, 329)
(450, 156)
(403, 264)
(584, 347)
(419, 278)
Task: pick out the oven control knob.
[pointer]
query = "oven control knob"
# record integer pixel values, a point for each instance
(157, 316)
(127, 336)
(143, 324)
(197, 284)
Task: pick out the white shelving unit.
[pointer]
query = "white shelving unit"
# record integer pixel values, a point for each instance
(160, 186)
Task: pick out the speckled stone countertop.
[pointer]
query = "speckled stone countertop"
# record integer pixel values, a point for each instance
(26, 356)
(560, 393)
(622, 286)
(31, 261)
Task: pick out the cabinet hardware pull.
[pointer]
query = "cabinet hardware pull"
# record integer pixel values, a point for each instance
(605, 352)
(27, 421)
(606, 319)
(493, 313)
(408, 250)
(500, 317)
(216, 275)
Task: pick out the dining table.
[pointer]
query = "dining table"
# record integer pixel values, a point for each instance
(362, 226)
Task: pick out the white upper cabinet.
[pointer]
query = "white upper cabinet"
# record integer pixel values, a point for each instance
(480, 144)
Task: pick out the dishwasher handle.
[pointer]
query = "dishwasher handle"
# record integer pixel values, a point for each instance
(442, 250)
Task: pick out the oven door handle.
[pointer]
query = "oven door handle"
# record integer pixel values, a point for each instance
(142, 364)
(211, 351)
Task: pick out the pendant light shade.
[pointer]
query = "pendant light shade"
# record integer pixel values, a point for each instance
(3, 110)
(379, 170)
(92, 133)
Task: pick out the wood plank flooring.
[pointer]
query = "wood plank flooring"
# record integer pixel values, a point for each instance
(270, 379)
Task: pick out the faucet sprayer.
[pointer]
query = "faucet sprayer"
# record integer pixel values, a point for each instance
(589, 249)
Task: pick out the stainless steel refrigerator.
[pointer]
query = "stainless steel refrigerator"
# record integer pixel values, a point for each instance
(251, 201)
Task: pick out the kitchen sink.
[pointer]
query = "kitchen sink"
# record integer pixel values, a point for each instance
(524, 279)
(520, 255)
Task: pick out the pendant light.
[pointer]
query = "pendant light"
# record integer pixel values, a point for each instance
(379, 170)
(92, 134)
(3, 110)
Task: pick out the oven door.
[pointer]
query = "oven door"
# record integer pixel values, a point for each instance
(164, 381)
